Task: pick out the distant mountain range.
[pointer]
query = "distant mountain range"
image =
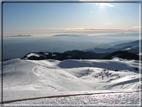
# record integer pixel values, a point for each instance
(133, 43)
(132, 47)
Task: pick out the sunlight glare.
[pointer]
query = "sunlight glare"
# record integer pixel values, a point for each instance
(102, 4)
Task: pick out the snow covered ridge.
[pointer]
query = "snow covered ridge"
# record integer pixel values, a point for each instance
(76, 54)
(25, 79)
(130, 48)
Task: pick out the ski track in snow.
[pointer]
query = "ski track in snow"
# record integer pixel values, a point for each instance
(51, 77)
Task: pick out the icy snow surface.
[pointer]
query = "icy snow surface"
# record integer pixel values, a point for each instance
(112, 82)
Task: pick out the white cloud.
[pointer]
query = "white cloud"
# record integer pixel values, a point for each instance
(110, 5)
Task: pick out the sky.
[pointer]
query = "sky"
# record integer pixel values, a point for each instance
(48, 19)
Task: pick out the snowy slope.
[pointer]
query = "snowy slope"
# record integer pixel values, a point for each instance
(107, 99)
(38, 78)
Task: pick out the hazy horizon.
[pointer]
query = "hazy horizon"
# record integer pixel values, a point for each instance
(17, 47)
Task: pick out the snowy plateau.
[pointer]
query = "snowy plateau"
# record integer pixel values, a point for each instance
(93, 82)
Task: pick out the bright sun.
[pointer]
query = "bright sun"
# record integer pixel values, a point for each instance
(102, 4)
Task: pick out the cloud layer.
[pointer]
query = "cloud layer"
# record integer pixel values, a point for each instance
(19, 36)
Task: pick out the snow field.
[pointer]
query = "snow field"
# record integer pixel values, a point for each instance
(38, 78)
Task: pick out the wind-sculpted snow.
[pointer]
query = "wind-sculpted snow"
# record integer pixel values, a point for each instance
(25, 79)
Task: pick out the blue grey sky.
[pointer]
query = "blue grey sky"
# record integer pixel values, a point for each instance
(48, 19)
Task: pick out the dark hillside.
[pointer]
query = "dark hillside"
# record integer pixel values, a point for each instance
(122, 54)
